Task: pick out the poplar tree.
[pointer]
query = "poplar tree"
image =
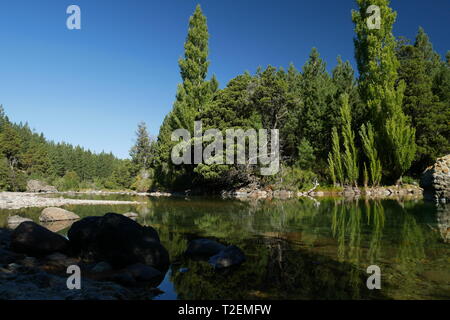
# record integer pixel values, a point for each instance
(350, 156)
(378, 65)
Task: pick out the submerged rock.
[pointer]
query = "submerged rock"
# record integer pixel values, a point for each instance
(101, 267)
(35, 240)
(204, 247)
(119, 241)
(5, 237)
(143, 273)
(16, 220)
(230, 256)
(57, 214)
(131, 215)
(7, 257)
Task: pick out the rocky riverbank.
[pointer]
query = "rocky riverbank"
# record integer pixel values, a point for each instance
(20, 200)
(116, 258)
(394, 192)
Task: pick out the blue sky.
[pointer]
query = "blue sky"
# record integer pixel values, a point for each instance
(91, 87)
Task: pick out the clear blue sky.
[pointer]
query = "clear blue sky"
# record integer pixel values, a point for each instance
(92, 86)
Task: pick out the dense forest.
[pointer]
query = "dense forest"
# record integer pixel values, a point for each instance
(384, 125)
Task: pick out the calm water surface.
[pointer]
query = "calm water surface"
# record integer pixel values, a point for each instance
(296, 249)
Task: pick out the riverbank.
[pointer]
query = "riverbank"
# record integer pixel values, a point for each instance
(391, 192)
(21, 200)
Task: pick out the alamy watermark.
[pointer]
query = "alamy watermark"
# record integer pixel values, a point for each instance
(374, 281)
(249, 147)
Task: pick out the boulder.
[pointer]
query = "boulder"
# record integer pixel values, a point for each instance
(436, 180)
(230, 256)
(37, 186)
(204, 247)
(16, 220)
(35, 240)
(57, 214)
(57, 226)
(119, 241)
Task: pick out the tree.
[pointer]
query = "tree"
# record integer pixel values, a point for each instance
(350, 156)
(141, 152)
(316, 90)
(428, 115)
(193, 95)
(368, 141)
(10, 145)
(378, 65)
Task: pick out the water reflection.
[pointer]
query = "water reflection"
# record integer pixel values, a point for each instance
(298, 250)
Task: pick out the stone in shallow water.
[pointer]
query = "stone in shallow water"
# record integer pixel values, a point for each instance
(204, 247)
(141, 272)
(57, 214)
(101, 267)
(35, 240)
(131, 215)
(231, 256)
(16, 220)
(119, 241)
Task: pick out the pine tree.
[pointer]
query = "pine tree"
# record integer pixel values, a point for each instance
(428, 115)
(316, 90)
(378, 65)
(141, 152)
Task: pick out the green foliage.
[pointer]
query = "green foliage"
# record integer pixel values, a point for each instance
(380, 90)
(306, 157)
(296, 179)
(143, 181)
(368, 141)
(350, 156)
(70, 181)
(334, 160)
(142, 151)
(420, 67)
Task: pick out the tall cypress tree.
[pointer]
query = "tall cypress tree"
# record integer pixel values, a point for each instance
(193, 94)
(377, 65)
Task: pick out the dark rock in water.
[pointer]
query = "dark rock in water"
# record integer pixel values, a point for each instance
(82, 235)
(124, 279)
(143, 273)
(101, 267)
(119, 241)
(231, 256)
(204, 247)
(5, 238)
(35, 240)
(7, 257)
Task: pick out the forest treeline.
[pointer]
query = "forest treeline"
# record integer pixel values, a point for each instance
(25, 155)
(386, 124)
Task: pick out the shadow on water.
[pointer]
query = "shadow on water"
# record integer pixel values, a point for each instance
(297, 249)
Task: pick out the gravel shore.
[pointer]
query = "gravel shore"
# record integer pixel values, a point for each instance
(20, 200)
